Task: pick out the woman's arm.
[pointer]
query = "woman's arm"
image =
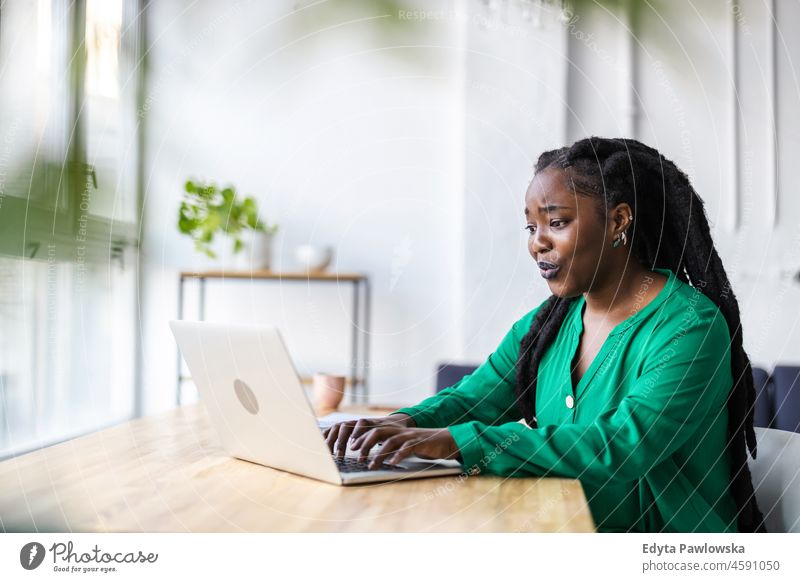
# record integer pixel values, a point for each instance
(486, 395)
(684, 384)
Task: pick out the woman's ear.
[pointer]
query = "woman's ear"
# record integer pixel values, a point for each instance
(622, 216)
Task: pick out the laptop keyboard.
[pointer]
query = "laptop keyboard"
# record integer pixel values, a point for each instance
(353, 465)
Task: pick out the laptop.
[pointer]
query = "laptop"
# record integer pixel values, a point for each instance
(258, 406)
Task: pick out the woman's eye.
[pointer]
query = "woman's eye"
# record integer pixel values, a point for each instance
(558, 223)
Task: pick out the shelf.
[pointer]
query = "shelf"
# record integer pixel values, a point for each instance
(303, 380)
(278, 275)
(356, 380)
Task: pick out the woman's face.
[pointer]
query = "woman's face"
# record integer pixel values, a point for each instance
(566, 231)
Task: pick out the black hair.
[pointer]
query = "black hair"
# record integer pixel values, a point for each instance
(668, 219)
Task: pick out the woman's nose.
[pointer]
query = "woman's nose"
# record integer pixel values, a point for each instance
(538, 244)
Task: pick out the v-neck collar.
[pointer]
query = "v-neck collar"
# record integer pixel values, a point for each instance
(611, 340)
(669, 287)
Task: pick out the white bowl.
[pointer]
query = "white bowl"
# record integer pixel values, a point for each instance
(312, 257)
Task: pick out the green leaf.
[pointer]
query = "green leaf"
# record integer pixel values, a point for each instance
(207, 191)
(250, 213)
(184, 225)
(204, 248)
(212, 221)
(206, 235)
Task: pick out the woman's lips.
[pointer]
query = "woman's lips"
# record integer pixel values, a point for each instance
(549, 273)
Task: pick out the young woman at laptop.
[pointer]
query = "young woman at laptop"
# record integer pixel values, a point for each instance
(630, 377)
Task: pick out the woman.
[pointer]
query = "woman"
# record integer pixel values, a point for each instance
(631, 376)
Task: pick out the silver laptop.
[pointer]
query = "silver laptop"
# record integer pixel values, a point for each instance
(257, 404)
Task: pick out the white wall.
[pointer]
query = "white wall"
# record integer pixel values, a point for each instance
(409, 149)
(346, 138)
(515, 93)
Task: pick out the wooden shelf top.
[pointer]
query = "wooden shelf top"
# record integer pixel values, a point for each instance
(304, 379)
(279, 275)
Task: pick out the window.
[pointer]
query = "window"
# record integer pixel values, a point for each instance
(68, 129)
(69, 80)
(66, 351)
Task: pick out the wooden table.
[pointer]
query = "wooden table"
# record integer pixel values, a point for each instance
(167, 473)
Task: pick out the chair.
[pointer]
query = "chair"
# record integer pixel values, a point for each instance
(777, 403)
(776, 478)
(449, 374)
(786, 398)
(763, 412)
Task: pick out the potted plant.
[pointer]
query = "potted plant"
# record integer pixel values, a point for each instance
(207, 211)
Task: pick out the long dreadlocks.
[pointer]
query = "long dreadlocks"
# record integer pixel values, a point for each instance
(669, 219)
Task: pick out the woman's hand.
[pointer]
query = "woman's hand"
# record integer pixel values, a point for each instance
(338, 434)
(400, 442)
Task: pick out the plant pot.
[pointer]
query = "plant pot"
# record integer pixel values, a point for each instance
(261, 250)
(255, 255)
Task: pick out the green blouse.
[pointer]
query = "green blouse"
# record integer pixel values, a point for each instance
(644, 430)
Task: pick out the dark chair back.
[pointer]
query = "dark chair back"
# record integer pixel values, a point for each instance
(763, 412)
(449, 374)
(786, 398)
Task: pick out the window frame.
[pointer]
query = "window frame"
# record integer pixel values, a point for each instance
(46, 229)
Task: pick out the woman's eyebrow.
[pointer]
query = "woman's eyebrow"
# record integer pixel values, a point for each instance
(548, 208)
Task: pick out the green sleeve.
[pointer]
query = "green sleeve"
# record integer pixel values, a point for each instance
(486, 395)
(685, 380)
